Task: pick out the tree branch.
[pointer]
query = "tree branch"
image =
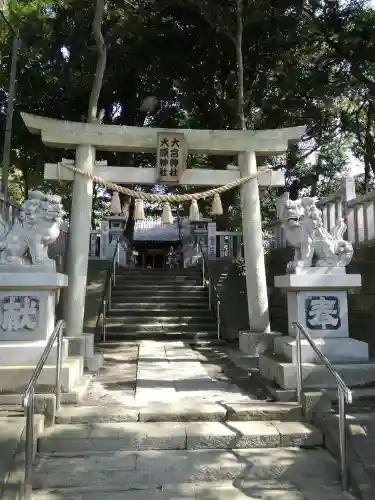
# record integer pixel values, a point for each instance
(92, 114)
(356, 70)
(213, 21)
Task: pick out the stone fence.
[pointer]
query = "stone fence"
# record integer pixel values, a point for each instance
(358, 212)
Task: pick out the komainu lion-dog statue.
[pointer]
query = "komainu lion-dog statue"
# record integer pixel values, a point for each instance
(314, 246)
(37, 226)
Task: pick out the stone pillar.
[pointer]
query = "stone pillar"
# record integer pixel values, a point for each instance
(211, 240)
(104, 239)
(256, 285)
(80, 227)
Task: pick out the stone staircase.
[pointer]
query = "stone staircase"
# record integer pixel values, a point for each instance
(160, 304)
(190, 453)
(160, 423)
(164, 440)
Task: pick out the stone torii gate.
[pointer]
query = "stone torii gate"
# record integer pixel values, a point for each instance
(86, 138)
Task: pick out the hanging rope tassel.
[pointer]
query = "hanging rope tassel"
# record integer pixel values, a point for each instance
(115, 204)
(217, 207)
(166, 216)
(139, 210)
(194, 211)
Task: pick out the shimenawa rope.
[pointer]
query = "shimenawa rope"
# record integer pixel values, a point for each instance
(140, 196)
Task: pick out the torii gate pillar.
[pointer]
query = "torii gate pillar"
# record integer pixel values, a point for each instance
(79, 234)
(256, 285)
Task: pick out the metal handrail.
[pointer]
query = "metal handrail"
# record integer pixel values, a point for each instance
(106, 301)
(28, 400)
(208, 282)
(343, 392)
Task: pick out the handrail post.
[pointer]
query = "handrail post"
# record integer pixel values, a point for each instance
(114, 271)
(343, 393)
(342, 438)
(56, 339)
(218, 317)
(203, 271)
(299, 365)
(58, 368)
(110, 293)
(104, 320)
(29, 447)
(209, 294)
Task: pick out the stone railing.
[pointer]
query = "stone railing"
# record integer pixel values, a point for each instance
(9, 212)
(358, 212)
(221, 244)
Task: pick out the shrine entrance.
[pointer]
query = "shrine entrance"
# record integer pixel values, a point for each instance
(86, 138)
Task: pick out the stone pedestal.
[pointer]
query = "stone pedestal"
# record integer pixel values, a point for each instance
(317, 299)
(83, 346)
(27, 320)
(254, 344)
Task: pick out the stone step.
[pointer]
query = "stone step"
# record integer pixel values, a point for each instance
(185, 324)
(128, 287)
(158, 285)
(174, 300)
(152, 307)
(159, 314)
(177, 328)
(223, 490)
(179, 297)
(160, 288)
(121, 335)
(277, 370)
(200, 343)
(160, 321)
(80, 438)
(74, 396)
(180, 412)
(264, 474)
(158, 272)
(363, 400)
(162, 280)
(16, 378)
(158, 280)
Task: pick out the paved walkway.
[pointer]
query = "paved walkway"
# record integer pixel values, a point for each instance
(101, 450)
(148, 372)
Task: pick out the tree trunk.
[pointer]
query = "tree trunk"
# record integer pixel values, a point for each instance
(26, 183)
(240, 70)
(97, 84)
